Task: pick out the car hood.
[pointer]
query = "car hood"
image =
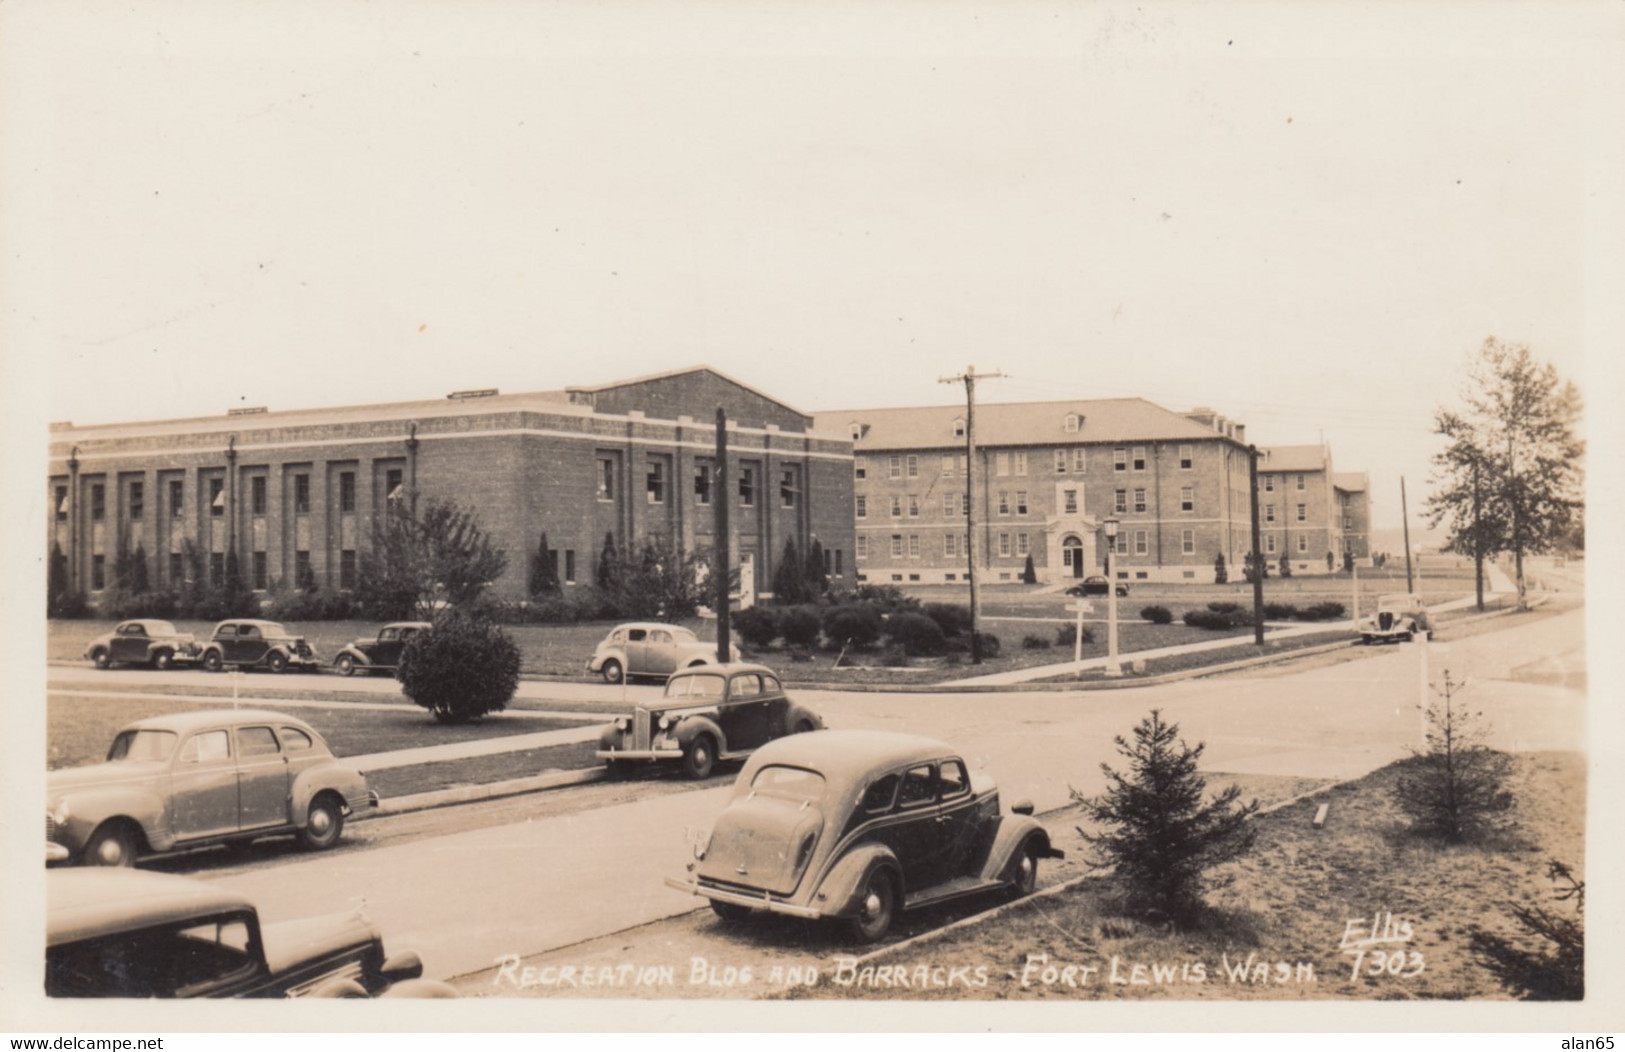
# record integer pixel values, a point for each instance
(755, 842)
(290, 943)
(665, 705)
(102, 774)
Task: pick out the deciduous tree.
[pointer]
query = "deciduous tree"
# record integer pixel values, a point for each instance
(422, 560)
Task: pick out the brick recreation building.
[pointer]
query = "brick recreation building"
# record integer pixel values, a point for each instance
(299, 491)
(1049, 473)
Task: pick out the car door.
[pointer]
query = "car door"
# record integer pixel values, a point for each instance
(916, 836)
(957, 819)
(249, 647)
(636, 651)
(744, 716)
(203, 785)
(130, 642)
(775, 710)
(387, 650)
(659, 653)
(262, 778)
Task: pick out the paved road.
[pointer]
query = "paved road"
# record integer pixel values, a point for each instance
(464, 900)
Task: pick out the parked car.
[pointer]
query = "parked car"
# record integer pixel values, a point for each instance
(1096, 585)
(193, 778)
(709, 713)
(257, 644)
(649, 649)
(858, 826)
(1398, 616)
(382, 654)
(138, 934)
(145, 641)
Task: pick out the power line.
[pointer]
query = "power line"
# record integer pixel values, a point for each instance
(969, 378)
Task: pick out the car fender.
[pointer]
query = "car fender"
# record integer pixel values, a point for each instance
(801, 714)
(89, 808)
(837, 894)
(692, 727)
(596, 662)
(351, 785)
(349, 648)
(1015, 833)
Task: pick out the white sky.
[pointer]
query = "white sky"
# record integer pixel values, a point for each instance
(1302, 215)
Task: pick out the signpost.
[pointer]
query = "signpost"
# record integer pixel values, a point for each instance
(1081, 607)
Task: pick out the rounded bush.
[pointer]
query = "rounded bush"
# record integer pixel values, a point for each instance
(952, 618)
(799, 626)
(756, 625)
(1328, 611)
(1034, 642)
(991, 646)
(1224, 607)
(1067, 635)
(1280, 611)
(1157, 615)
(915, 633)
(853, 624)
(461, 669)
(1211, 619)
(894, 657)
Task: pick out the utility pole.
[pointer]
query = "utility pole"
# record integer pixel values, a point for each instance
(719, 499)
(1410, 584)
(969, 378)
(1258, 554)
(1478, 550)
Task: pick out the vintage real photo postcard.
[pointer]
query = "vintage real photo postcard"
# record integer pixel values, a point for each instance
(774, 516)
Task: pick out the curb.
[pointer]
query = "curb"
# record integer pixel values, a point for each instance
(468, 794)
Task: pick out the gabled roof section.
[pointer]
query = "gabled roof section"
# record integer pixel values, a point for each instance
(1294, 458)
(672, 374)
(1016, 424)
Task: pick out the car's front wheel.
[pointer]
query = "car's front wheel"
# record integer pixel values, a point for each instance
(324, 823)
(731, 912)
(163, 659)
(101, 658)
(113, 844)
(345, 664)
(213, 662)
(877, 905)
(700, 757)
(612, 671)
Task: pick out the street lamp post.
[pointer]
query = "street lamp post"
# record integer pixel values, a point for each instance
(1112, 667)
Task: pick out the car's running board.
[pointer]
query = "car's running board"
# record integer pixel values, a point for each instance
(953, 889)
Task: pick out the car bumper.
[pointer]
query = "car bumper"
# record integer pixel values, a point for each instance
(673, 753)
(740, 898)
(55, 853)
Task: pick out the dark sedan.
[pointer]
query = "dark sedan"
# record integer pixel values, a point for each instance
(1097, 585)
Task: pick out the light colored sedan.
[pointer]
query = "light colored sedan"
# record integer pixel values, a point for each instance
(647, 648)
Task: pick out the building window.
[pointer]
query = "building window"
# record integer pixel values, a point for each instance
(606, 479)
(747, 487)
(302, 572)
(569, 566)
(896, 505)
(1060, 462)
(1187, 498)
(863, 547)
(787, 488)
(1269, 483)
(1069, 501)
(177, 568)
(1001, 463)
(261, 575)
(1004, 544)
(959, 428)
(702, 484)
(1120, 459)
(1348, 523)
(138, 500)
(896, 546)
(1187, 457)
(1269, 544)
(1303, 513)
(1021, 544)
(913, 546)
(1079, 460)
(1300, 482)
(895, 466)
(98, 572)
(950, 503)
(1140, 538)
(913, 506)
(947, 465)
(62, 504)
(98, 501)
(964, 505)
(256, 495)
(840, 570)
(1269, 513)
(1019, 458)
(394, 482)
(1303, 543)
(217, 497)
(301, 494)
(1120, 505)
(1071, 425)
(347, 568)
(346, 492)
(950, 545)
(862, 506)
(1120, 545)
(860, 467)
(1021, 502)
(913, 466)
(217, 568)
(654, 483)
(1139, 458)
(962, 463)
(1139, 499)
(177, 496)
(1004, 503)
(1187, 542)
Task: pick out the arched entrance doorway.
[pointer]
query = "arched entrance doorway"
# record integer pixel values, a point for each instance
(1072, 554)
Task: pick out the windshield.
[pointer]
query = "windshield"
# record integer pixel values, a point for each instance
(160, 628)
(788, 783)
(700, 686)
(142, 745)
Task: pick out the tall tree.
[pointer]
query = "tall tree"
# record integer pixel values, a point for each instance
(1510, 478)
(544, 571)
(421, 559)
(790, 576)
(817, 575)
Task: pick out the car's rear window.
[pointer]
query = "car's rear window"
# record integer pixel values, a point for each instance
(790, 783)
(699, 686)
(142, 745)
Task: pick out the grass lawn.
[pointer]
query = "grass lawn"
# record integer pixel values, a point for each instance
(79, 730)
(481, 770)
(1286, 906)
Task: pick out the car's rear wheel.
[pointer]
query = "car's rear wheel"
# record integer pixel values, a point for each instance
(612, 671)
(101, 658)
(112, 844)
(345, 664)
(731, 912)
(877, 905)
(324, 823)
(163, 659)
(213, 662)
(700, 757)
(802, 727)
(277, 661)
(1024, 873)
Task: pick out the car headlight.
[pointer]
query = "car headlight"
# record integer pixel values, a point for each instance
(62, 812)
(623, 724)
(665, 723)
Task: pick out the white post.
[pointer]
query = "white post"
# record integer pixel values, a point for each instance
(1356, 567)
(1112, 667)
(1081, 607)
